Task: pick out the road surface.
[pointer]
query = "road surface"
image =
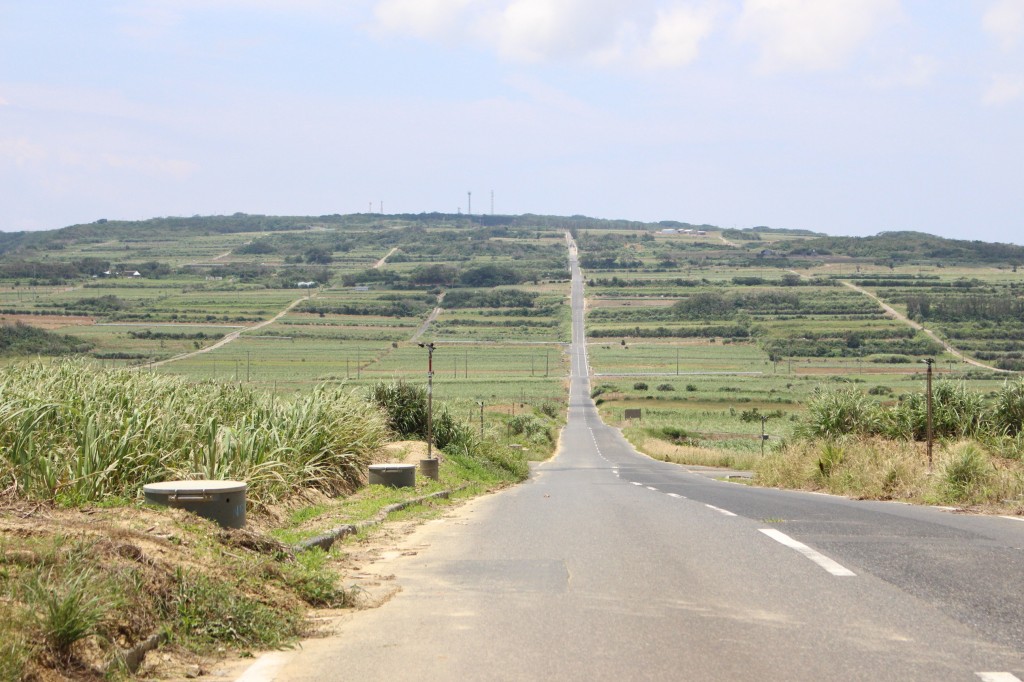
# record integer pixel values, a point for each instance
(608, 565)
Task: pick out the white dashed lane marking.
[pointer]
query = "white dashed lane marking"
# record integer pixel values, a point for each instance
(676, 495)
(998, 677)
(650, 488)
(719, 510)
(817, 557)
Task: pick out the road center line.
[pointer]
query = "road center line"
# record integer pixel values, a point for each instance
(998, 677)
(650, 488)
(635, 483)
(676, 495)
(815, 556)
(719, 510)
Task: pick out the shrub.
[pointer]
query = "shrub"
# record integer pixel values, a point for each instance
(691, 388)
(70, 611)
(550, 409)
(666, 387)
(956, 412)
(640, 386)
(405, 406)
(1009, 409)
(965, 476)
(838, 412)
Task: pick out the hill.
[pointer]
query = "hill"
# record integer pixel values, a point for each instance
(897, 247)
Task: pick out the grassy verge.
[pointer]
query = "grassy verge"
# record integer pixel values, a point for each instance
(87, 572)
(964, 473)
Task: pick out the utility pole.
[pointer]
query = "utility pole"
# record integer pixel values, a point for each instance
(677, 362)
(469, 203)
(764, 437)
(248, 365)
(481, 404)
(928, 434)
(430, 398)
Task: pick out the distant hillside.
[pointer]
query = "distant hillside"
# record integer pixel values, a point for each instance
(900, 247)
(154, 229)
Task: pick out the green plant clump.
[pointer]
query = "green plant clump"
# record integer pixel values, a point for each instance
(72, 433)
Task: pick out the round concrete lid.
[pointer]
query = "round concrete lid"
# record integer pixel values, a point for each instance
(172, 487)
(391, 467)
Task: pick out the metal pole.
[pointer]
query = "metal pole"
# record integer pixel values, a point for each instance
(430, 398)
(481, 404)
(677, 362)
(763, 420)
(929, 362)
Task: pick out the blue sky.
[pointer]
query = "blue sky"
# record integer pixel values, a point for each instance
(842, 116)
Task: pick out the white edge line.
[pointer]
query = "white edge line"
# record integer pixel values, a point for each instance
(651, 488)
(719, 510)
(264, 669)
(676, 495)
(998, 677)
(829, 565)
(636, 483)
(1013, 518)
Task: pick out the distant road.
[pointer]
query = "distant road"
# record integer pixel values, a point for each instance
(230, 337)
(916, 325)
(384, 260)
(608, 565)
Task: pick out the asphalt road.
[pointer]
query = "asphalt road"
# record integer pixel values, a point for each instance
(607, 565)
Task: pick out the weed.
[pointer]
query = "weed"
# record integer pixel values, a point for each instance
(966, 474)
(832, 455)
(69, 609)
(206, 612)
(314, 581)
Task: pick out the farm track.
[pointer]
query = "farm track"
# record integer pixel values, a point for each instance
(384, 260)
(430, 319)
(920, 327)
(232, 336)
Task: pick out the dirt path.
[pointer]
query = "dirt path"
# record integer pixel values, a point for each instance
(232, 336)
(430, 319)
(384, 260)
(915, 325)
(727, 242)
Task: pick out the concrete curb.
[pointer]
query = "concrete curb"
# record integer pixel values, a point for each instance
(326, 540)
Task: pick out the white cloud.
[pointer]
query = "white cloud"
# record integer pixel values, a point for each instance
(647, 33)
(1004, 19)
(677, 34)
(538, 30)
(422, 18)
(21, 151)
(1003, 89)
(811, 34)
(918, 72)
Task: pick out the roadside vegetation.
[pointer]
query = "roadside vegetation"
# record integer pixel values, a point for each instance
(87, 572)
(849, 444)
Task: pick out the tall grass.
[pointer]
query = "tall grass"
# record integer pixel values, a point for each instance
(957, 412)
(881, 468)
(75, 434)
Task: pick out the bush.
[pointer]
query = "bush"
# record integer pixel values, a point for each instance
(666, 387)
(640, 386)
(956, 412)
(838, 412)
(405, 406)
(691, 388)
(966, 475)
(1009, 410)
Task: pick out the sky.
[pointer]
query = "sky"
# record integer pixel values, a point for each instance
(849, 117)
